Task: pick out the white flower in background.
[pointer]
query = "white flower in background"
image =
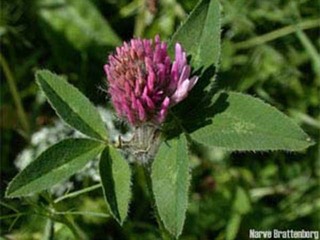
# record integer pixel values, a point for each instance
(49, 135)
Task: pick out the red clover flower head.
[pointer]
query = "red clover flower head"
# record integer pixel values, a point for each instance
(144, 83)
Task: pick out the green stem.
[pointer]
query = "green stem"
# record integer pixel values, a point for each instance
(49, 230)
(15, 95)
(306, 119)
(77, 232)
(164, 233)
(85, 213)
(140, 25)
(77, 193)
(9, 206)
(311, 50)
(277, 34)
(66, 219)
(13, 215)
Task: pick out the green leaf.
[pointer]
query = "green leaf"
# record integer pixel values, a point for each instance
(233, 226)
(71, 105)
(78, 21)
(170, 183)
(241, 202)
(200, 35)
(79, 38)
(239, 122)
(55, 164)
(116, 181)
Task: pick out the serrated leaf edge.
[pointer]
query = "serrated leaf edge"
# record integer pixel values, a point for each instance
(101, 137)
(117, 218)
(9, 195)
(177, 234)
(308, 139)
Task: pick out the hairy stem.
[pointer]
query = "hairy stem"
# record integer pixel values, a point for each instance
(77, 193)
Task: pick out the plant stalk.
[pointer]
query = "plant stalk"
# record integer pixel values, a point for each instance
(77, 193)
(15, 95)
(277, 34)
(68, 221)
(77, 232)
(310, 49)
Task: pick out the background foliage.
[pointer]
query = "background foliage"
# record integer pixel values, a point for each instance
(270, 50)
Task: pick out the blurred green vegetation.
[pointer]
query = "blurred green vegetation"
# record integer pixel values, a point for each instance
(270, 49)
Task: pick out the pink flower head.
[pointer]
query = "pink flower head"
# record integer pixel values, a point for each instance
(144, 83)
